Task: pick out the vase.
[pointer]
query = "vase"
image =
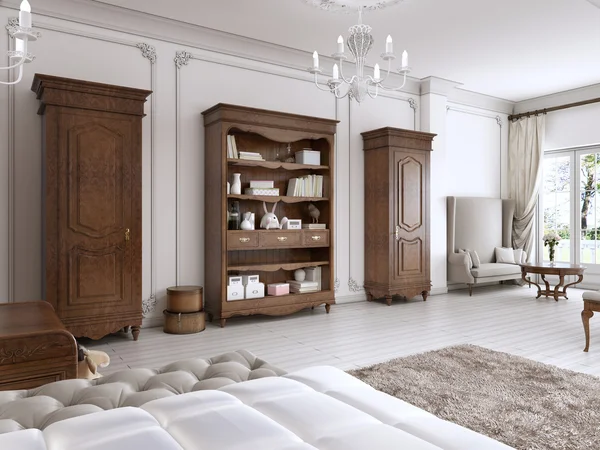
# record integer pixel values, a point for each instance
(551, 253)
(236, 186)
(299, 275)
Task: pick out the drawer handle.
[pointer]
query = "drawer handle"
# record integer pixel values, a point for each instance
(244, 239)
(316, 238)
(282, 238)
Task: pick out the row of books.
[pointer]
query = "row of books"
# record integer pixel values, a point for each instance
(307, 186)
(233, 152)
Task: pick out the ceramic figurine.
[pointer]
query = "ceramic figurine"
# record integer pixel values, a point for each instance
(314, 213)
(246, 225)
(282, 223)
(269, 221)
(299, 275)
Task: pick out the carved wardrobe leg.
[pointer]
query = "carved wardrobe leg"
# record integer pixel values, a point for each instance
(388, 300)
(327, 307)
(135, 332)
(424, 294)
(222, 322)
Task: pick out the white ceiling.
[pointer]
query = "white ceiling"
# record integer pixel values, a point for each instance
(511, 49)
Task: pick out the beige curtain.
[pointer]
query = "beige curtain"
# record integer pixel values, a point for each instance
(525, 153)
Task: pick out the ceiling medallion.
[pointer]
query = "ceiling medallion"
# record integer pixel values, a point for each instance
(351, 5)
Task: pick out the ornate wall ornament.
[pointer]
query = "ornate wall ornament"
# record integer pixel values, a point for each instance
(353, 285)
(149, 305)
(351, 5)
(499, 121)
(413, 103)
(148, 51)
(336, 285)
(21, 353)
(182, 59)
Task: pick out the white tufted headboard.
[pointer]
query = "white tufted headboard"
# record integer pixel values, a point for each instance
(480, 224)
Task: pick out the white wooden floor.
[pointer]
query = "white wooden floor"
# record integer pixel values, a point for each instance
(503, 318)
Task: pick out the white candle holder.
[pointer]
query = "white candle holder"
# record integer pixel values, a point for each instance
(20, 57)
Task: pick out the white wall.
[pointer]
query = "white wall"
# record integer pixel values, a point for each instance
(173, 174)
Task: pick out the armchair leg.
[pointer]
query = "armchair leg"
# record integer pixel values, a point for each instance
(470, 290)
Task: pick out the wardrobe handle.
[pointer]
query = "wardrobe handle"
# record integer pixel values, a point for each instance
(127, 234)
(397, 232)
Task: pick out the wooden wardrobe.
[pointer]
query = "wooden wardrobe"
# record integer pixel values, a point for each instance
(397, 165)
(92, 154)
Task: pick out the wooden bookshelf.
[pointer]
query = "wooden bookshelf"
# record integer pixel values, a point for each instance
(272, 254)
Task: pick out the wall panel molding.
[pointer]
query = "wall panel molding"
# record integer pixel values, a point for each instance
(500, 124)
(148, 52)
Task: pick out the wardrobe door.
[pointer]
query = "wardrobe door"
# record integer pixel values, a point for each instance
(410, 174)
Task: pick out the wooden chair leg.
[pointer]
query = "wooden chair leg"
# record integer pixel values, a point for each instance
(586, 315)
(470, 290)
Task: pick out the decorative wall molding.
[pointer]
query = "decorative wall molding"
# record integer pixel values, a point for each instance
(354, 286)
(149, 52)
(182, 59)
(499, 122)
(11, 28)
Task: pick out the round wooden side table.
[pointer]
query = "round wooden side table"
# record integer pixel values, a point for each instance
(552, 268)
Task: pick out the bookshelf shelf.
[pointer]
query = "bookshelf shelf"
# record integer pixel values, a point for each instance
(273, 254)
(274, 165)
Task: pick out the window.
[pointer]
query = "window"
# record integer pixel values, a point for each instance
(569, 204)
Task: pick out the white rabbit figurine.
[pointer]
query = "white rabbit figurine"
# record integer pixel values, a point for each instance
(269, 220)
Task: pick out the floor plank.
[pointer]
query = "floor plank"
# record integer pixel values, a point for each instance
(504, 318)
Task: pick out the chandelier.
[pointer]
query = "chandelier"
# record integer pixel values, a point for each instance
(23, 34)
(359, 85)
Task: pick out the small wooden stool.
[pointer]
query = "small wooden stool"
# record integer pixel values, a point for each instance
(591, 303)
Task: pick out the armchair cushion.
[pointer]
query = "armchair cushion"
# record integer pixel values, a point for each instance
(496, 270)
(505, 255)
(475, 258)
(469, 260)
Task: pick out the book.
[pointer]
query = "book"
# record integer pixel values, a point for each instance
(234, 147)
(314, 226)
(302, 284)
(314, 274)
(262, 184)
(229, 147)
(308, 186)
(303, 290)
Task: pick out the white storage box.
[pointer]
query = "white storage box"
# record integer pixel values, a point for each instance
(255, 290)
(312, 157)
(235, 292)
(234, 280)
(250, 279)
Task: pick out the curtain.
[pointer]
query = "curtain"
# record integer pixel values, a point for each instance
(525, 156)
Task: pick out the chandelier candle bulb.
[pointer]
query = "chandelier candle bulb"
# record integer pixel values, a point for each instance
(25, 14)
(376, 72)
(340, 43)
(388, 45)
(315, 60)
(336, 74)
(404, 59)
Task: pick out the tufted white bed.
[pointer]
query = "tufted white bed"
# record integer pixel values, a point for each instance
(235, 401)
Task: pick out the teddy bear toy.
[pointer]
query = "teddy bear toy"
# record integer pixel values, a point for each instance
(89, 361)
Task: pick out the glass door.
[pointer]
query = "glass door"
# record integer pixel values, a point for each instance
(557, 201)
(589, 166)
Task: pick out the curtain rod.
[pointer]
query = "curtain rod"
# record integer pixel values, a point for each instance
(554, 108)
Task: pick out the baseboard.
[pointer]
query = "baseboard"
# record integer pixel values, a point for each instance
(439, 291)
(151, 322)
(351, 298)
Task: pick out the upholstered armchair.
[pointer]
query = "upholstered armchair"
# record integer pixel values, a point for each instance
(479, 225)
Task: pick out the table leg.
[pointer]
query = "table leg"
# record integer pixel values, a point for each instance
(547, 285)
(586, 315)
(580, 278)
(528, 280)
(558, 286)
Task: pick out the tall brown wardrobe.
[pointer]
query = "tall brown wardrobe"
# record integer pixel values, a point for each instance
(397, 165)
(92, 155)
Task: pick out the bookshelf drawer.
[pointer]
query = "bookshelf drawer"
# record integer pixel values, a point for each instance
(238, 240)
(315, 238)
(280, 238)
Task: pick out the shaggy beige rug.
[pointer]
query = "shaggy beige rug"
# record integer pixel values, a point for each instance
(523, 403)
